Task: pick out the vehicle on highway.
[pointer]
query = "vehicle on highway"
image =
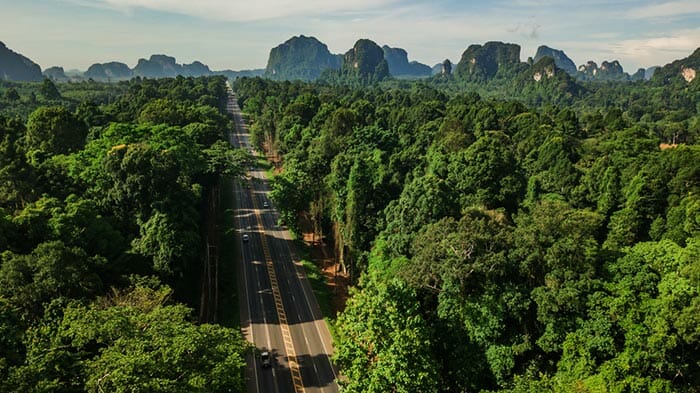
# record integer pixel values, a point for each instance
(245, 238)
(265, 359)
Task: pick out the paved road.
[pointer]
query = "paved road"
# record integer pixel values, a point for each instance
(278, 309)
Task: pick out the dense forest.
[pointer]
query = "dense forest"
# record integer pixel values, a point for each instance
(103, 220)
(502, 235)
(508, 230)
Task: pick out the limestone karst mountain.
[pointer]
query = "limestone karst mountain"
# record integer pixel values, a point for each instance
(16, 67)
(300, 57)
(560, 58)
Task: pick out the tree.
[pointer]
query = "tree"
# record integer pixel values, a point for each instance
(49, 90)
(463, 266)
(423, 200)
(487, 174)
(163, 111)
(15, 177)
(557, 250)
(52, 270)
(131, 341)
(168, 242)
(642, 330)
(11, 348)
(291, 192)
(53, 130)
(383, 342)
(11, 94)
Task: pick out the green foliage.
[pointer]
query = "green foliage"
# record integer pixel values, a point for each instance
(131, 342)
(534, 243)
(49, 90)
(52, 270)
(53, 130)
(383, 342)
(107, 182)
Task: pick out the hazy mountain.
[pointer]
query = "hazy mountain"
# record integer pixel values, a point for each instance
(96, 71)
(479, 63)
(55, 73)
(158, 66)
(366, 61)
(231, 74)
(196, 68)
(397, 59)
(302, 58)
(561, 60)
(683, 70)
(639, 75)
(113, 71)
(649, 72)
(15, 67)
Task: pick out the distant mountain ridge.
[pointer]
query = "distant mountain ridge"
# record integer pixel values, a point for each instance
(397, 59)
(307, 58)
(15, 67)
(55, 73)
(112, 70)
(683, 71)
(561, 60)
(159, 66)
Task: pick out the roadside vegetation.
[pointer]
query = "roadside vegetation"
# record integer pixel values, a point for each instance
(104, 227)
(509, 240)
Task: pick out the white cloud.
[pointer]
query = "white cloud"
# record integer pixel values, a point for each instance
(242, 10)
(665, 10)
(659, 50)
(634, 53)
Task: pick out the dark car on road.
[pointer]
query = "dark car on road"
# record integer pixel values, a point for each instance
(265, 359)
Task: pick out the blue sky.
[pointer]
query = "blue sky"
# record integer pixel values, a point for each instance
(238, 34)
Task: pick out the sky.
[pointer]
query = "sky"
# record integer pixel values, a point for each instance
(238, 34)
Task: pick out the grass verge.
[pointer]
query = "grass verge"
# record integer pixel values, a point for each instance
(318, 284)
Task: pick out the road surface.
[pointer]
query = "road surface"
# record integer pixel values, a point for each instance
(278, 309)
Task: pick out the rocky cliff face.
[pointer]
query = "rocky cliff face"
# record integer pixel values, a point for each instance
(684, 71)
(15, 67)
(561, 60)
(480, 63)
(302, 58)
(544, 69)
(366, 61)
(608, 71)
(649, 72)
(397, 60)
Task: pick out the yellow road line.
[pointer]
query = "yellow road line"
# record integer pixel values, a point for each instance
(281, 314)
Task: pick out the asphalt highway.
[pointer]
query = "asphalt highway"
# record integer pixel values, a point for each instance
(278, 309)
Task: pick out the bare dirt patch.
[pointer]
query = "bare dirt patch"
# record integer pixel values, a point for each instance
(322, 256)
